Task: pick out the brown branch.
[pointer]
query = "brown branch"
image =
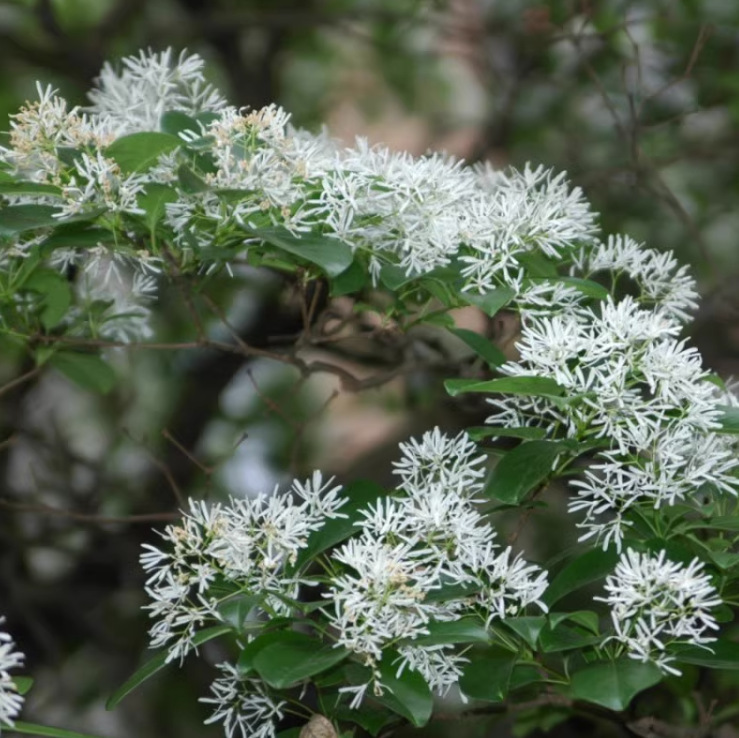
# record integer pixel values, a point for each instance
(90, 518)
(203, 468)
(163, 468)
(20, 380)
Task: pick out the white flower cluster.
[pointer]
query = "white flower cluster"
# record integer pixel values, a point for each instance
(655, 603)
(244, 546)
(254, 170)
(150, 84)
(427, 536)
(415, 212)
(631, 385)
(246, 542)
(10, 701)
(243, 705)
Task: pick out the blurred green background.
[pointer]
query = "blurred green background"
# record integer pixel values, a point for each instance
(637, 101)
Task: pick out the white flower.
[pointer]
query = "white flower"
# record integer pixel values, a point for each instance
(41, 128)
(149, 85)
(662, 283)
(102, 185)
(248, 542)
(384, 599)
(506, 586)
(400, 209)
(111, 287)
(440, 667)
(243, 705)
(10, 701)
(426, 536)
(655, 602)
(452, 463)
(529, 210)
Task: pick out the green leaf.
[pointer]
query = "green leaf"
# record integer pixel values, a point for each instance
(75, 236)
(350, 281)
(448, 592)
(56, 292)
(287, 661)
(465, 630)
(190, 182)
(138, 152)
(175, 122)
(45, 730)
(153, 202)
(331, 254)
(613, 684)
(729, 419)
(235, 610)
(408, 694)
(536, 386)
(289, 733)
(89, 371)
(720, 522)
(590, 567)
(588, 287)
(394, 277)
(23, 684)
(537, 265)
(372, 718)
(522, 469)
(528, 627)
(723, 654)
(481, 346)
(29, 188)
(525, 674)
(487, 676)
(566, 638)
(158, 662)
(724, 559)
(19, 218)
(487, 431)
(586, 618)
(491, 302)
(360, 494)
(248, 654)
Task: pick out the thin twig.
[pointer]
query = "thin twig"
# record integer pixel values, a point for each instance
(91, 518)
(20, 380)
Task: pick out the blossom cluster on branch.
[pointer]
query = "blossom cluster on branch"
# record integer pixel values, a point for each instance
(380, 598)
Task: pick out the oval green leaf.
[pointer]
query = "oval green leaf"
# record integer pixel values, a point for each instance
(522, 469)
(89, 371)
(613, 684)
(491, 302)
(590, 567)
(497, 431)
(360, 494)
(331, 254)
(138, 152)
(19, 218)
(482, 346)
(158, 662)
(723, 654)
(407, 694)
(487, 676)
(287, 661)
(536, 386)
(57, 295)
(528, 627)
(465, 630)
(729, 419)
